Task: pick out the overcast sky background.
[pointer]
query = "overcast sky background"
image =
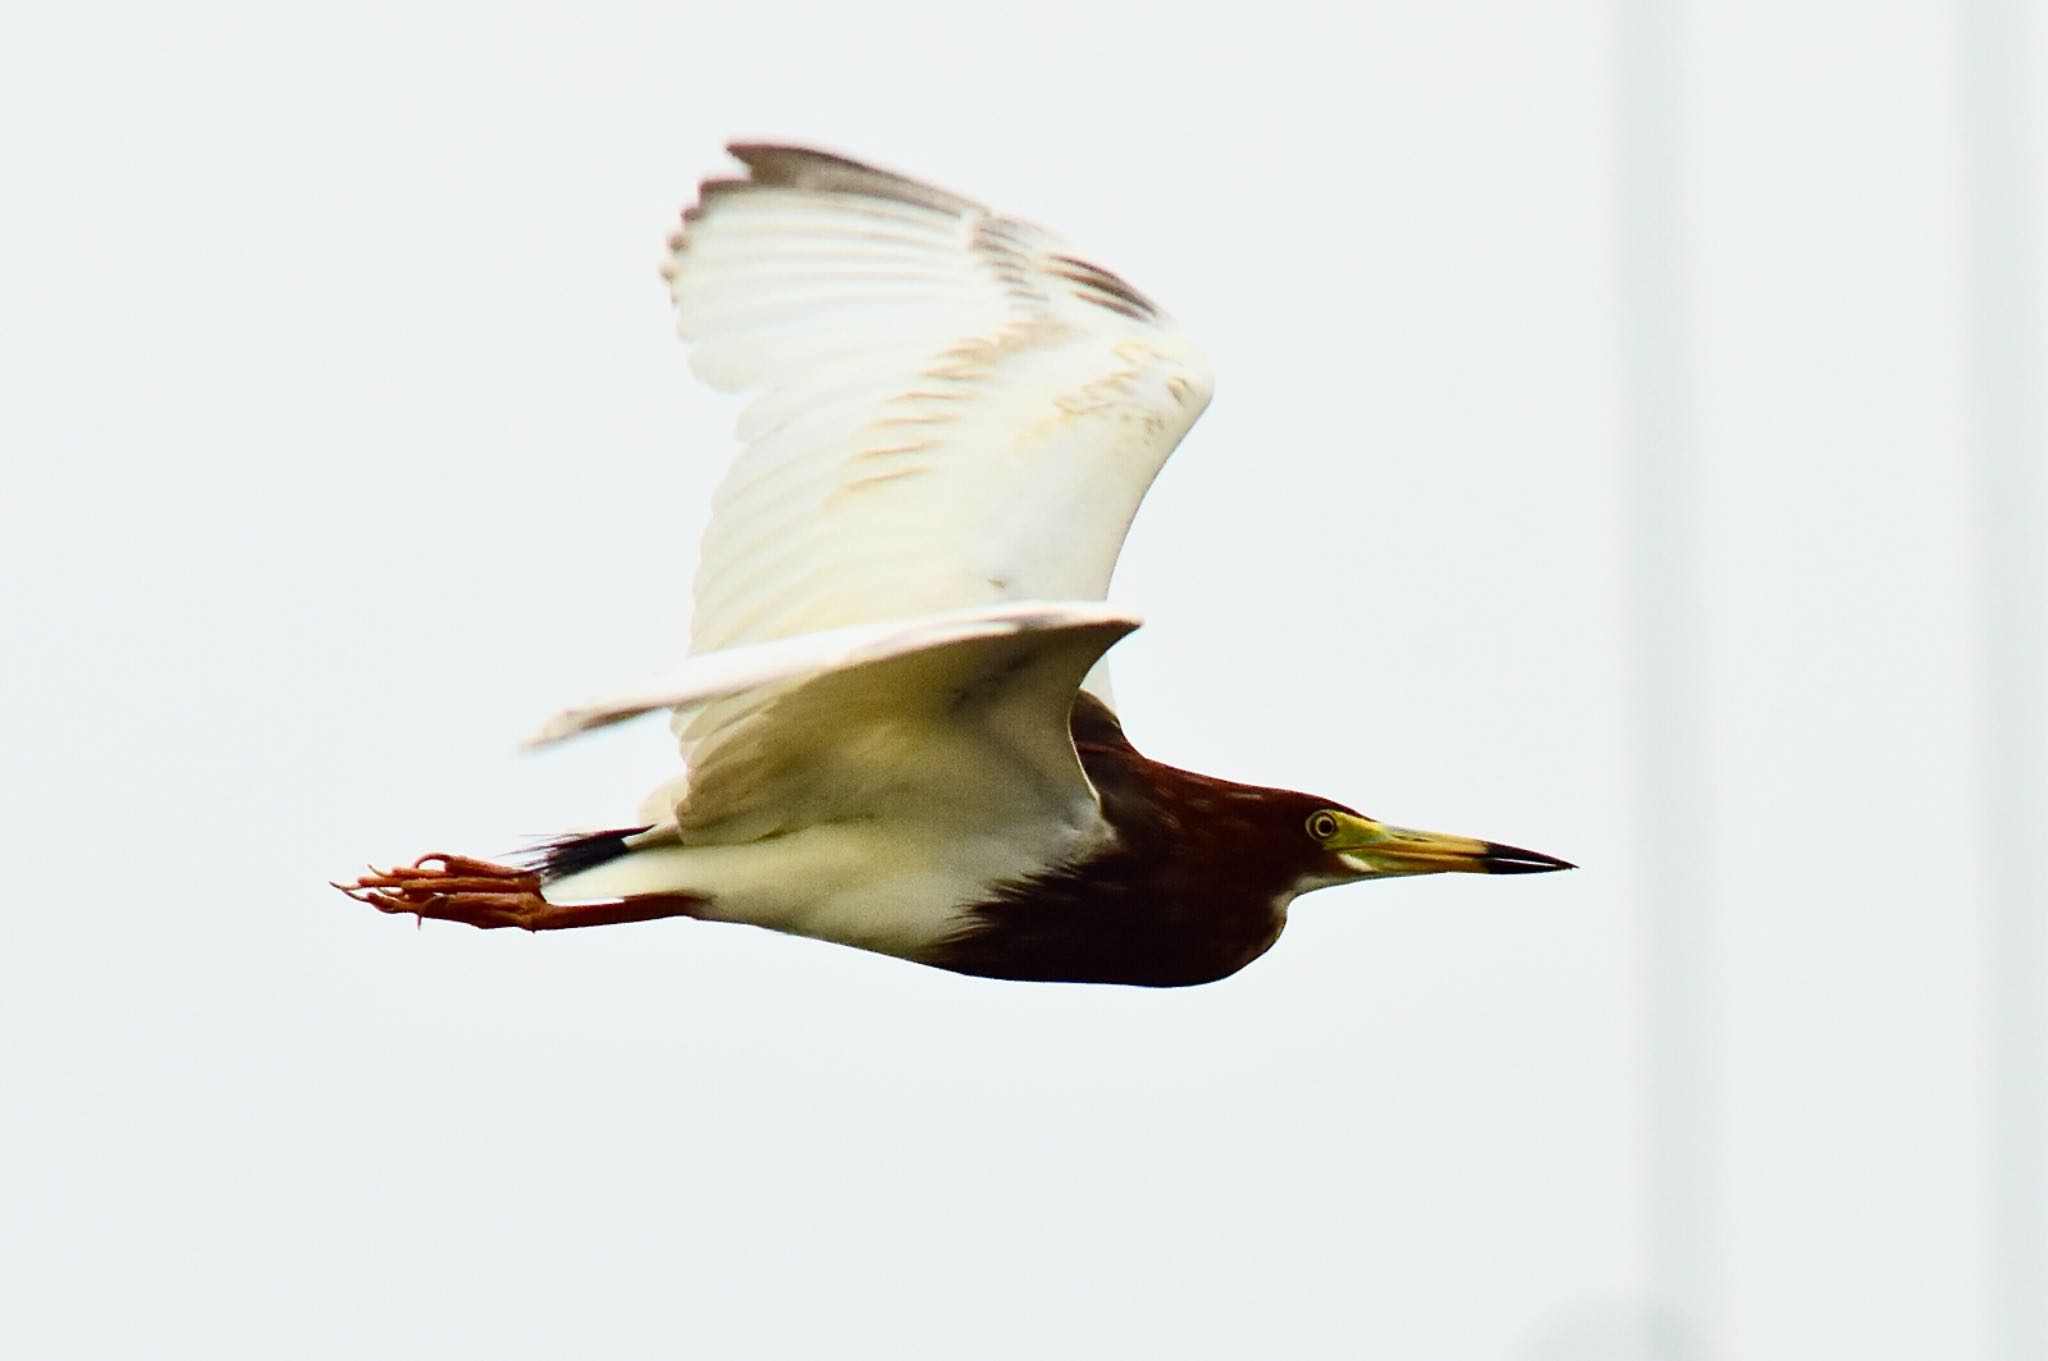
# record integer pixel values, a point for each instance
(345, 435)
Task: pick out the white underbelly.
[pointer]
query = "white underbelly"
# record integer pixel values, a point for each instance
(894, 887)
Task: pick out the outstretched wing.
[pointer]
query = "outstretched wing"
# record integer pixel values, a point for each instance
(955, 408)
(956, 418)
(956, 412)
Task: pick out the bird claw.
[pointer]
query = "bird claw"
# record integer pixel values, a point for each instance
(454, 888)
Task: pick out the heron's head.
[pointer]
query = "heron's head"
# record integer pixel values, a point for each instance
(1339, 846)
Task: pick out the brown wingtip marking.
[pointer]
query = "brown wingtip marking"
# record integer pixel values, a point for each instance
(780, 164)
(1099, 286)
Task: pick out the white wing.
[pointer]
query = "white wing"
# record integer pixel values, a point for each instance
(956, 413)
(783, 662)
(961, 726)
(956, 409)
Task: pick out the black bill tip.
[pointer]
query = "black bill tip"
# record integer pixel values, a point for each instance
(1501, 859)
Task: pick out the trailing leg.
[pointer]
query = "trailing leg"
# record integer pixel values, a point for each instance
(487, 895)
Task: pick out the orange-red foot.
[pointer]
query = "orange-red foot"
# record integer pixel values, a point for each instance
(456, 888)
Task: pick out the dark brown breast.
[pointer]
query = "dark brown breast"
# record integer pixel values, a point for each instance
(1189, 893)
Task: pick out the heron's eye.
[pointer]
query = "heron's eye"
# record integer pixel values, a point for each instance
(1322, 826)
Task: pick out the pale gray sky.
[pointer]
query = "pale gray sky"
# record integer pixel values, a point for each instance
(345, 437)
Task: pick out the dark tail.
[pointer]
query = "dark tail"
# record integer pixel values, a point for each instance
(566, 855)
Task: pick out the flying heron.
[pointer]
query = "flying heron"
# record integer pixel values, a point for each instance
(894, 719)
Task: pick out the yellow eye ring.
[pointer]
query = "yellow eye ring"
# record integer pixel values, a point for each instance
(1322, 825)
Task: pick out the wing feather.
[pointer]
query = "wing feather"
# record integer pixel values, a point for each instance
(949, 725)
(951, 412)
(781, 663)
(954, 408)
